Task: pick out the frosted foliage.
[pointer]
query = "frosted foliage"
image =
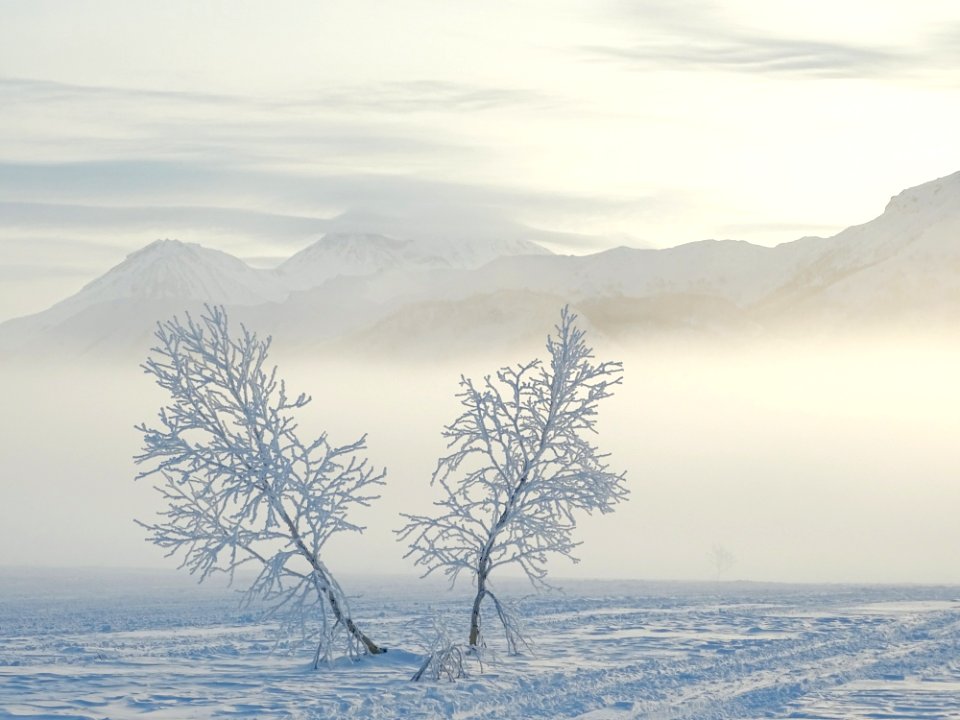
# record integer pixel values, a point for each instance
(520, 466)
(242, 488)
(444, 658)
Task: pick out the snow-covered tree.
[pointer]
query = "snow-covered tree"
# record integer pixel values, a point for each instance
(241, 487)
(444, 658)
(520, 466)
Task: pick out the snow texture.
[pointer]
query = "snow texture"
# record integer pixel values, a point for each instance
(121, 647)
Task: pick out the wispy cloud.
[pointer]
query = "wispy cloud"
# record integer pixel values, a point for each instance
(743, 53)
(57, 121)
(374, 99)
(27, 272)
(35, 265)
(31, 90)
(430, 96)
(700, 35)
(397, 128)
(34, 217)
(133, 202)
(166, 183)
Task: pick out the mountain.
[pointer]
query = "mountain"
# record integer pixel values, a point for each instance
(121, 306)
(494, 324)
(900, 269)
(904, 264)
(358, 254)
(703, 287)
(371, 294)
(174, 270)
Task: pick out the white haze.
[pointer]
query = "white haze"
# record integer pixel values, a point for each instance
(827, 461)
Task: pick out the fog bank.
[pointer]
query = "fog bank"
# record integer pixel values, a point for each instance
(832, 462)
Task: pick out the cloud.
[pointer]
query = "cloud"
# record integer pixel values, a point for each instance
(78, 218)
(744, 53)
(55, 121)
(698, 35)
(431, 96)
(12, 247)
(30, 90)
(398, 127)
(26, 272)
(133, 202)
(380, 98)
(197, 183)
(36, 271)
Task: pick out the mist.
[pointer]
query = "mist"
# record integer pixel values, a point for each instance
(826, 461)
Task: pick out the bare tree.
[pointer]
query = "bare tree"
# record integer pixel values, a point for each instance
(723, 560)
(520, 467)
(242, 487)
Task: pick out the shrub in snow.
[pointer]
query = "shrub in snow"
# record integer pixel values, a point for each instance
(520, 467)
(444, 658)
(242, 487)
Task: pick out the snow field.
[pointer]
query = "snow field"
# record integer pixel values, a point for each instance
(603, 650)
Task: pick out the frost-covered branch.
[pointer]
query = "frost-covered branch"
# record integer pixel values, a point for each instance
(520, 466)
(241, 486)
(444, 659)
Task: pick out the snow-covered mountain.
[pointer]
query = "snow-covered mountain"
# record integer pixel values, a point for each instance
(126, 301)
(901, 268)
(174, 270)
(372, 292)
(359, 254)
(906, 262)
(120, 307)
(346, 254)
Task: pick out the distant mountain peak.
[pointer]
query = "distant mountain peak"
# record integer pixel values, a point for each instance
(936, 195)
(170, 269)
(348, 245)
(904, 264)
(337, 254)
(360, 253)
(165, 245)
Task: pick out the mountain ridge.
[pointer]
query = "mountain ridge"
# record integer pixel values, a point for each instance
(903, 263)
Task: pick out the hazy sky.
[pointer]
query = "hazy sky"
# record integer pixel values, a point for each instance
(807, 462)
(653, 122)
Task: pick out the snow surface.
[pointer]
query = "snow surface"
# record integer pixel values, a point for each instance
(120, 645)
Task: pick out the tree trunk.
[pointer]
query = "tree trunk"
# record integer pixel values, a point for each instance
(475, 614)
(352, 628)
(318, 567)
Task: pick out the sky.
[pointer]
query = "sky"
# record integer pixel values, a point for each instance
(254, 127)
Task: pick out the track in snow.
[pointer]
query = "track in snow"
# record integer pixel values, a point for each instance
(605, 651)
